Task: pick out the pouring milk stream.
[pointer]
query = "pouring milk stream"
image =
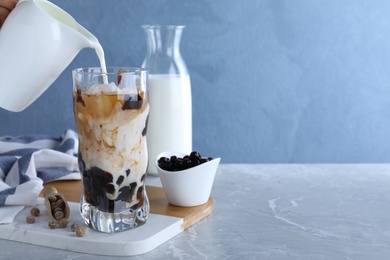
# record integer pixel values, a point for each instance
(37, 42)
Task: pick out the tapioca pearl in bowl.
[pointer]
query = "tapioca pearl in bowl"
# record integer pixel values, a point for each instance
(187, 187)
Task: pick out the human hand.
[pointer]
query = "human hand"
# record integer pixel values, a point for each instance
(6, 7)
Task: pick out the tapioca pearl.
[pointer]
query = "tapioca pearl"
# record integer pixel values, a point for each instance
(164, 163)
(120, 180)
(186, 162)
(175, 163)
(132, 102)
(163, 160)
(95, 183)
(145, 130)
(140, 195)
(126, 193)
(203, 160)
(81, 163)
(110, 188)
(195, 155)
(195, 161)
(140, 198)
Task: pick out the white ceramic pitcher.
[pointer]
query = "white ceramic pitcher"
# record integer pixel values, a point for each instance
(37, 42)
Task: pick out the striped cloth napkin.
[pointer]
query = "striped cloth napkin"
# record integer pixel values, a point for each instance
(26, 162)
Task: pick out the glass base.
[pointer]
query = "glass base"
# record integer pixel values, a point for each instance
(113, 222)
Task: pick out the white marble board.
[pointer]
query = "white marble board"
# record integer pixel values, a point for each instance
(157, 230)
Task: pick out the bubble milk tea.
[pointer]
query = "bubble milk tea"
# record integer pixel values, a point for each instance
(112, 124)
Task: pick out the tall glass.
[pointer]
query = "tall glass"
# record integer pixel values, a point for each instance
(111, 113)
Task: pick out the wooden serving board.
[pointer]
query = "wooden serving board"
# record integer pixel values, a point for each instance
(158, 202)
(164, 222)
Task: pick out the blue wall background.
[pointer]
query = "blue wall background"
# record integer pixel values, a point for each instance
(273, 81)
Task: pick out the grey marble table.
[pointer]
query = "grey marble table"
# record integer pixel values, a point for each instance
(276, 211)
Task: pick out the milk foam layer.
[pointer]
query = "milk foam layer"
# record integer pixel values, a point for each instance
(111, 123)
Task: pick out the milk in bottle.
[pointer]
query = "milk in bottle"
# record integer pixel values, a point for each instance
(170, 116)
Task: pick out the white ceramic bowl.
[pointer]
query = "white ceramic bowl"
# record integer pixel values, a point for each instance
(190, 187)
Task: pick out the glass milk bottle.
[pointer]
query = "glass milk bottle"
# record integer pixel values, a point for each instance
(170, 116)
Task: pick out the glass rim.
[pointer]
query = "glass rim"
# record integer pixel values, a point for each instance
(111, 70)
(163, 26)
